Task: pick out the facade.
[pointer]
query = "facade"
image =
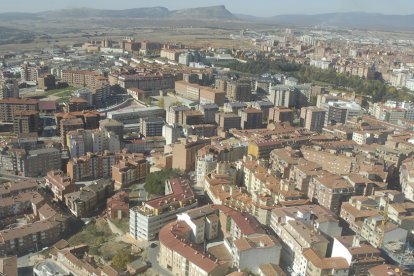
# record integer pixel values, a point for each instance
(185, 154)
(146, 221)
(151, 126)
(251, 118)
(251, 252)
(227, 121)
(91, 166)
(38, 162)
(9, 88)
(131, 168)
(8, 108)
(84, 202)
(280, 114)
(312, 118)
(117, 206)
(26, 121)
(59, 184)
(330, 191)
(238, 91)
(80, 142)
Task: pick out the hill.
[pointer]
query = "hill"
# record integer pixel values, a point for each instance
(214, 12)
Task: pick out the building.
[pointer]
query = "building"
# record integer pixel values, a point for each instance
(80, 142)
(133, 115)
(77, 104)
(38, 162)
(59, 184)
(91, 166)
(238, 91)
(10, 189)
(90, 119)
(319, 266)
(251, 252)
(280, 114)
(339, 112)
(146, 221)
(330, 191)
(26, 121)
(110, 125)
(8, 108)
(84, 202)
(360, 256)
(178, 254)
(298, 236)
(9, 88)
(83, 78)
(175, 114)
(31, 72)
(407, 178)
(130, 169)
(8, 265)
(151, 126)
(227, 121)
(312, 118)
(185, 153)
(46, 82)
(209, 111)
(251, 118)
(171, 133)
(203, 94)
(117, 206)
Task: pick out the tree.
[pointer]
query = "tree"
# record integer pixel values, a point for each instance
(154, 182)
(161, 103)
(121, 259)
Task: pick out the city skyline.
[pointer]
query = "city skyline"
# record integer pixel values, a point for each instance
(260, 8)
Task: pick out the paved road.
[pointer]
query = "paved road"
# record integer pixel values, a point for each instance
(152, 257)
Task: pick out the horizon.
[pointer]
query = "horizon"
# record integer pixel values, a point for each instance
(261, 8)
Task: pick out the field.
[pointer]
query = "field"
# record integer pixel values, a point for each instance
(60, 95)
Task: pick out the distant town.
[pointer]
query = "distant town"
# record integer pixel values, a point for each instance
(291, 155)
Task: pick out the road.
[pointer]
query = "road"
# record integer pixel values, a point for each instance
(153, 252)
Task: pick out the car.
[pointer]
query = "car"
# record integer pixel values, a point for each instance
(153, 245)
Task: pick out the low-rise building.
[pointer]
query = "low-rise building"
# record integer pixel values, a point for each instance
(84, 202)
(59, 184)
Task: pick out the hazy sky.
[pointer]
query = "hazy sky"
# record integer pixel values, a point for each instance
(253, 7)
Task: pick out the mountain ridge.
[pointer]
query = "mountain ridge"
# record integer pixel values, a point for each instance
(220, 13)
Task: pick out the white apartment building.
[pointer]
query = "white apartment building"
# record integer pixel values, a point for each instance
(146, 221)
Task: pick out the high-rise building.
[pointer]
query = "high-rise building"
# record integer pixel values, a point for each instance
(151, 126)
(239, 91)
(280, 114)
(251, 118)
(9, 88)
(312, 118)
(26, 121)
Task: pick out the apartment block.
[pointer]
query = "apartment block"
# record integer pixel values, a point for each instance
(59, 184)
(251, 118)
(26, 121)
(8, 108)
(330, 191)
(146, 221)
(312, 118)
(131, 168)
(84, 202)
(91, 166)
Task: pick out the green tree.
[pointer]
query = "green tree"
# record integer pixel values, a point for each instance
(161, 103)
(154, 182)
(121, 259)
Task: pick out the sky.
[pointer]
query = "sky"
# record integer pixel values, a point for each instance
(252, 7)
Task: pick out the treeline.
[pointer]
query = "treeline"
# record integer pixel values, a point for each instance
(265, 66)
(374, 90)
